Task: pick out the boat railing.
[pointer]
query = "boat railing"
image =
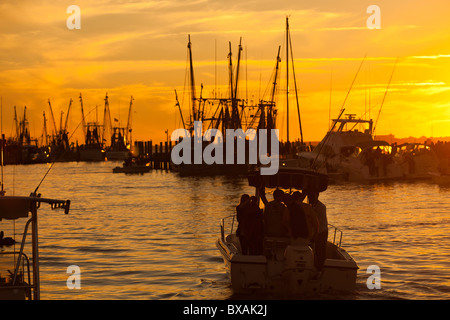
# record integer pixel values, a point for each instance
(20, 278)
(227, 223)
(336, 233)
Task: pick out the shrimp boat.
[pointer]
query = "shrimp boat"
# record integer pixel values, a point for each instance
(284, 266)
(22, 279)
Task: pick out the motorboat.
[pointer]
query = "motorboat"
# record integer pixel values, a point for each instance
(131, 166)
(20, 281)
(349, 151)
(285, 265)
(417, 160)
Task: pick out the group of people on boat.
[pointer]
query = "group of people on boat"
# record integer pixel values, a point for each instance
(377, 159)
(285, 217)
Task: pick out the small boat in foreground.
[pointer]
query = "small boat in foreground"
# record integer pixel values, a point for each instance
(286, 266)
(23, 281)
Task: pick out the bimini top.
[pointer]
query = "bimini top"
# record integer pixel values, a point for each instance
(287, 178)
(14, 207)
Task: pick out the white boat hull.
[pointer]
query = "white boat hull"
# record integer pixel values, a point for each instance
(280, 272)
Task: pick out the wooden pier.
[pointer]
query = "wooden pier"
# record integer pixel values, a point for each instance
(158, 155)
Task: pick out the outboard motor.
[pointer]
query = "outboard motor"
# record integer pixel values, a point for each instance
(299, 261)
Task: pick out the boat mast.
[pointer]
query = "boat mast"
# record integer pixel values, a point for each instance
(106, 120)
(67, 116)
(83, 121)
(191, 68)
(179, 108)
(295, 87)
(17, 124)
(236, 118)
(129, 129)
(44, 131)
(274, 87)
(53, 119)
(287, 81)
(2, 192)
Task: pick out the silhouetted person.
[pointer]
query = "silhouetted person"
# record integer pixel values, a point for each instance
(321, 239)
(241, 215)
(254, 227)
(297, 218)
(275, 216)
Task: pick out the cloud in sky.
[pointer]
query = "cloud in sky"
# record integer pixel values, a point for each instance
(139, 48)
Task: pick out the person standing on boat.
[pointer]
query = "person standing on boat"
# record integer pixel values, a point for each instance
(321, 239)
(254, 227)
(241, 215)
(276, 216)
(298, 227)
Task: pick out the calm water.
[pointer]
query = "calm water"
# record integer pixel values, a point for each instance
(153, 236)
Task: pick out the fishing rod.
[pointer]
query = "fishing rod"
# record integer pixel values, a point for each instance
(360, 118)
(382, 102)
(340, 114)
(351, 86)
(58, 157)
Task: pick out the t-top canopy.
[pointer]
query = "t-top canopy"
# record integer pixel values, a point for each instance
(14, 207)
(286, 178)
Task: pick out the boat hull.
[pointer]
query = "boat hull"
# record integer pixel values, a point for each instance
(440, 179)
(132, 169)
(282, 272)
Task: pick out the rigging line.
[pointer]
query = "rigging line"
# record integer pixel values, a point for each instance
(356, 75)
(382, 102)
(62, 153)
(326, 138)
(295, 87)
(360, 118)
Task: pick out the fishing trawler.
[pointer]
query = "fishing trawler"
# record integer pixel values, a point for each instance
(286, 266)
(92, 150)
(19, 274)
(224, 114)
(349, 151)
(119, 148)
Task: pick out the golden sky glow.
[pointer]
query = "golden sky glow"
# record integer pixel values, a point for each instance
(139, 48)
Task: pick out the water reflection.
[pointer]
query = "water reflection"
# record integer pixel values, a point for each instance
(152, 236)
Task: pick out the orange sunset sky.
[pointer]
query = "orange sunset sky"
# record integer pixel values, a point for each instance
(139, 48)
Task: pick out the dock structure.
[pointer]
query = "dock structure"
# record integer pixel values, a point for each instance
(157, 155)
